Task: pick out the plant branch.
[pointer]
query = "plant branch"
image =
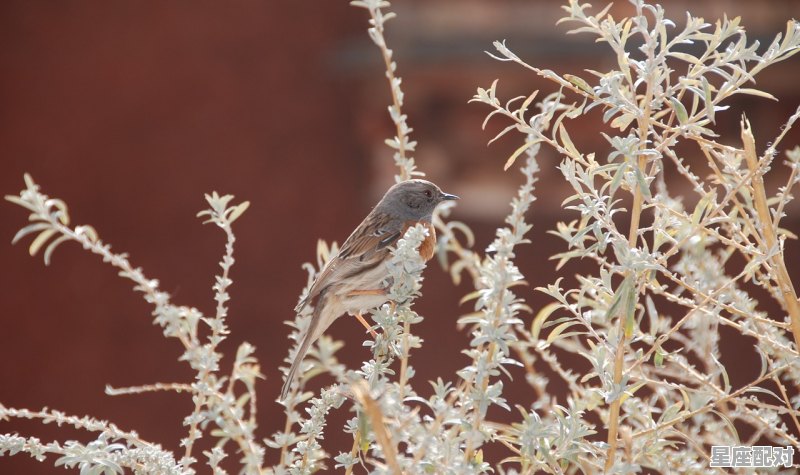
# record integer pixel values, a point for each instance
(787, 290)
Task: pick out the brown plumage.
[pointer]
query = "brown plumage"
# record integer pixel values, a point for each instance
(355, 280)
(427, 248)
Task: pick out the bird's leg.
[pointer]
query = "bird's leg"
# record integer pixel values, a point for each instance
(367, 292)
(366, 325)
(358, 315)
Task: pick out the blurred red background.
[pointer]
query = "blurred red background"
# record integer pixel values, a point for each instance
(130, 111)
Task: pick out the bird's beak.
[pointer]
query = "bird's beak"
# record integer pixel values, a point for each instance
(449, 197)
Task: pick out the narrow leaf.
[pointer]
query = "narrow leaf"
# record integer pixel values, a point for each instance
(579, 83)
(729, 423)
(40, 240)
(524, 107)
(567, 141)
(622, 122)
(518, 152)
(541, 317)
(558, 330)
(755, 92)
(709, 102)
(680, 110)
(618, 298)
(52, 247)
(642, 182)
(31, 228)
(658, 357)
(241, 208)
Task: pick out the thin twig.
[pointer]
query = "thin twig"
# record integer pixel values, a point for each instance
(383, 437)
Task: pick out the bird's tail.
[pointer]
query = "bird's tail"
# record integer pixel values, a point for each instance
(309, 337)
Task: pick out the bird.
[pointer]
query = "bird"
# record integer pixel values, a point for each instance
(355, 279)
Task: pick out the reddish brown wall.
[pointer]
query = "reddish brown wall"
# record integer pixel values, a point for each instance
(130, 111)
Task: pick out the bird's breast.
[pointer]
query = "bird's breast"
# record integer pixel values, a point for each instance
(427, 247)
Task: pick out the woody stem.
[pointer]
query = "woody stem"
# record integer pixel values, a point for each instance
(785, 285)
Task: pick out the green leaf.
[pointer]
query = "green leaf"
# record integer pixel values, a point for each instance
(524, 107)
(617, 180)
(700, 208)
(642, 182)
(671, 412)
(631, 391)
(630, 310)
(566, 141)
(558, 330)
(619, 298)
(624, 305)
(363, 431)
(680, 110)
(658, 357)
(622, 121)
(541, 317)
(518, 152)
(579, 83)
(709, 102)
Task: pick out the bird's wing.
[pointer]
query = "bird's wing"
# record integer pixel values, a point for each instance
(375, 233)
(365, 245)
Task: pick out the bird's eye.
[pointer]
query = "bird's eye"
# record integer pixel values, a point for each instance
(428, 193)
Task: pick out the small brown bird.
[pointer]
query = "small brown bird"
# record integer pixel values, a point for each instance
(355, 279)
